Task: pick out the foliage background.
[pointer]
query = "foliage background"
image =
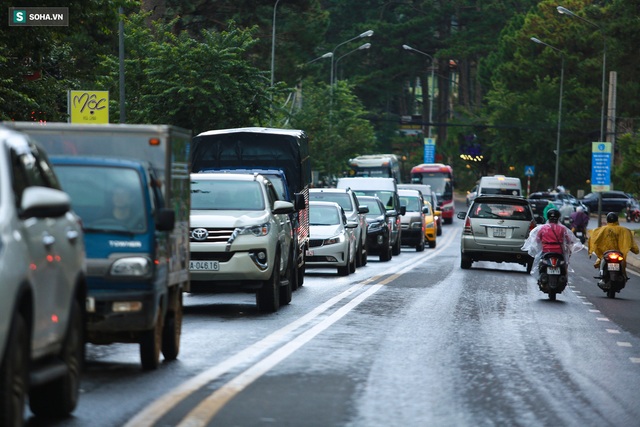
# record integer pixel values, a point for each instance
(205, 64)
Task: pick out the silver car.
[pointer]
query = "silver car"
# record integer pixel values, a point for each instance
(331, 243)
(42, 266)
(495, 228)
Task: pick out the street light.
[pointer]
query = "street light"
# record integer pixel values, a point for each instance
(565, 11)
(535, 40)
(326, 55)
(432, 94)
(365, 34)
(364, 46)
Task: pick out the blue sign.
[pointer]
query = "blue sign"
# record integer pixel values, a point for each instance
(600, 166)
(429, 150)
(529, 170)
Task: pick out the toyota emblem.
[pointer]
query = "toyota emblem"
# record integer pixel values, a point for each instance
(199, 234)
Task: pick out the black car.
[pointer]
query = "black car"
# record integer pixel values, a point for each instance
(612, 201)
(378, 232)
(540, 199)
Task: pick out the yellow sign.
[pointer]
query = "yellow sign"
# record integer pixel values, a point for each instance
(88, 107)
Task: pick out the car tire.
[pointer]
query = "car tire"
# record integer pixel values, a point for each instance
(386, 254)
(432, 244)
(365, 254)
(359, 254)
(420, 246)
(59, 397)
(465, 262)
(439, 232)
(344, 270)
(353, 264)
(14, 373)
(151, 344)
(172, 331)
(268, 296)
(397, 247)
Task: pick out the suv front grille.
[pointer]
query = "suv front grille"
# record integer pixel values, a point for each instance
(213, 235)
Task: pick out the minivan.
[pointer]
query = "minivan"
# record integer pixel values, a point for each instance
(387, 191)
(499, 185)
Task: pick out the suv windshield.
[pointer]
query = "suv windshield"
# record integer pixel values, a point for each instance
(226, 195)
(385, 196)
(412, 203)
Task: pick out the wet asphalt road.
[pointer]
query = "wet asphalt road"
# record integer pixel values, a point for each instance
(414, 342)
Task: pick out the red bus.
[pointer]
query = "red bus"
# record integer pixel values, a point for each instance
(440, 178)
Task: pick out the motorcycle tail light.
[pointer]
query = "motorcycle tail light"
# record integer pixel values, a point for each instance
(613, 257)
(554, 262)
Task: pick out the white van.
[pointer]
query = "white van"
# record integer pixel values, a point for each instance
(500, 184)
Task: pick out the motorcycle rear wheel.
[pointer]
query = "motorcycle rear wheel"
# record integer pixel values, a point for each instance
(552, 296)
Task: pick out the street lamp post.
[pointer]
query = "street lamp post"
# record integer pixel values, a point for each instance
(362, 47)
(432, 94)
(326, 55)
(535, 40)
(273, 53)
(565, 11)
(359, 36)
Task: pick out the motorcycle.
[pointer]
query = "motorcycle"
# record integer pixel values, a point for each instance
(612, 273)
(580, 233)
(633, 213)
(552, 277)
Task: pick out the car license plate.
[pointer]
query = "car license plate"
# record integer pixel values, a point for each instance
(499, 232)
(204, 266)
(612, 266)
(309, 253)
(553, 270)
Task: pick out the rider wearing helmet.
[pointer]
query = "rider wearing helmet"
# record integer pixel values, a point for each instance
(552, 235)
(612, 236)
(579, 219)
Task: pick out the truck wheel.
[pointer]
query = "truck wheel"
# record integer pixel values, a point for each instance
(268, 296)
(172, 331)
(150, 345)
(13, 374)
(59, 397)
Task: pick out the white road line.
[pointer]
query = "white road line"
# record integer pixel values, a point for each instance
(635, 359)
(602, 319)
(594, 311)
(624, 344)
(161, 406)
(613, 331)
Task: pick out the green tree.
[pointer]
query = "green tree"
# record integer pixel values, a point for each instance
(197, 84)
(335, 124)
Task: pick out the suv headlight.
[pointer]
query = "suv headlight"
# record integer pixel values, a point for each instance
(132, 266)
(416, 225)
(256, 230)
(377, 226)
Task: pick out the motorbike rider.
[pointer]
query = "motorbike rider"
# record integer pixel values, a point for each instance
(611, 236)
(565, 212)
(579, 220)
(551, 237)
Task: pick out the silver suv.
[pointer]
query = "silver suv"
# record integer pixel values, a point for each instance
(43, 286)
(347, 199)
(495, 228)
(241, 238)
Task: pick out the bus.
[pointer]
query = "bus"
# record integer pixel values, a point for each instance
(440, 178)
(376, 166)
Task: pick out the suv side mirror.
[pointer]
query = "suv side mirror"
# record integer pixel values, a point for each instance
(461, 215)
(165, 219)
(403, 210)
(363, 209)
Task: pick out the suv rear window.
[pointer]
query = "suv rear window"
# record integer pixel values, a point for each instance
(500, 210)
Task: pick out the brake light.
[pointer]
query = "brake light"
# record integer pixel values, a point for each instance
(467, 227)
(532, 225)
(614, 257)
(554, 262)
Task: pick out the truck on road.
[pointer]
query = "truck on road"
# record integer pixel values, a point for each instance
(129, 184)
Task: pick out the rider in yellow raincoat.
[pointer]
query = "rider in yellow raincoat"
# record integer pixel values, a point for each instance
(611, 237)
